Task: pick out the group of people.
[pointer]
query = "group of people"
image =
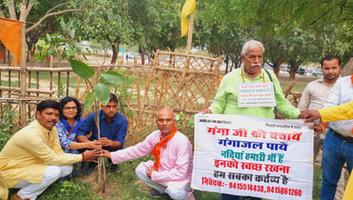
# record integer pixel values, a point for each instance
(45, 150)
(329, 91)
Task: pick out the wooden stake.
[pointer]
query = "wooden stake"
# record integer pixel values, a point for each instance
(100, 164)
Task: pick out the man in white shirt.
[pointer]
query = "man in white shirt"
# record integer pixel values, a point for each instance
(315, 96)
(338, 143)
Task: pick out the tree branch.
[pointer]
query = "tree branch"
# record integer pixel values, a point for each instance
(49, 15)
(342, 8)
(28, 9)
(327, 12)
(57, 6)
(11, 7)
(25, 10)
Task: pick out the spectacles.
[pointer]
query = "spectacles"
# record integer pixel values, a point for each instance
(70, 108)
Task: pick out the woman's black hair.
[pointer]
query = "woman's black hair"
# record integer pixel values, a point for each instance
(64, 101)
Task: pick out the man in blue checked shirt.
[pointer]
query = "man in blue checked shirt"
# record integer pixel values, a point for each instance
(113, 128)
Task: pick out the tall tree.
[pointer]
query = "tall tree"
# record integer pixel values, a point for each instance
(105, 21)
(20, 10)
(156, 24)
(218, 29)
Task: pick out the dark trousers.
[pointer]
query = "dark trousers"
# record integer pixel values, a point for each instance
(234, 197)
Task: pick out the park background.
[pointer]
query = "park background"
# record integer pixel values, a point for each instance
(140, 40)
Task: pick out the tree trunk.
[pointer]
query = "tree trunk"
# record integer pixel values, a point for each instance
(236, 61)
(115, 48)
(292, 74)
(294, 65)
(276, 69)
(142, 54)
(226, 60)
(277, 66)
(293, 68)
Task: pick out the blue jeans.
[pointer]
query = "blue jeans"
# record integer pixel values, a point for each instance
(335, 153)
(234, 197)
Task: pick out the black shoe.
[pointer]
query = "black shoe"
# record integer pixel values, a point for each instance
(155, 193)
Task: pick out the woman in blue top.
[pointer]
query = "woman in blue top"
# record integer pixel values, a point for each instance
(67, 126)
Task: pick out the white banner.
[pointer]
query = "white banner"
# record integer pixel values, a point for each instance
(251, 156)
(256, 95)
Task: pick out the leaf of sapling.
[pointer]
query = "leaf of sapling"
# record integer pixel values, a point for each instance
(81, 69)
(102, 92)
(89, 100)
(113, 78)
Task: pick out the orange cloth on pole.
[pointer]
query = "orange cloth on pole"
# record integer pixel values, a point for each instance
(156, 151)
(10, 36)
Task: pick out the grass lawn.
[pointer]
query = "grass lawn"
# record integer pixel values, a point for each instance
(125, 185)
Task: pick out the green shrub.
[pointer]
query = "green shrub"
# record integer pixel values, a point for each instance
(6, 124)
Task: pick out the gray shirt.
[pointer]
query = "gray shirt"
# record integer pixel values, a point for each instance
(315, 95)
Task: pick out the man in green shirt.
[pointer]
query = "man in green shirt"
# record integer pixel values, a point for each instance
(227, 98)
(251, 90)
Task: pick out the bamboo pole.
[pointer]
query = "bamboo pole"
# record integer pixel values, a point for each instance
(68, 83)
(9, 80)
(59, 84)
(28, 94)
(77, 86)
(29, 90)
(1, 106)
(51, 81)
(189, 41)
(187, 61)
(184, 54)
(23, 75)
(140, 106)
(37, 82)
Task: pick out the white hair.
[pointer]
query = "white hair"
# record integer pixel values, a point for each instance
(251, 44)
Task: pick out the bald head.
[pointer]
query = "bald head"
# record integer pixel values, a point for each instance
(163, 110)
(165, 120)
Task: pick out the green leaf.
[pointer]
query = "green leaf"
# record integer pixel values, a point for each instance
(81, 69)
(39, 57)
(89, 100)
(102, 93)
(40, 43)
(177, 117)
(113, 78)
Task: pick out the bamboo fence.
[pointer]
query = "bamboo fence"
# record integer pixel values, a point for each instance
(185, 82)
